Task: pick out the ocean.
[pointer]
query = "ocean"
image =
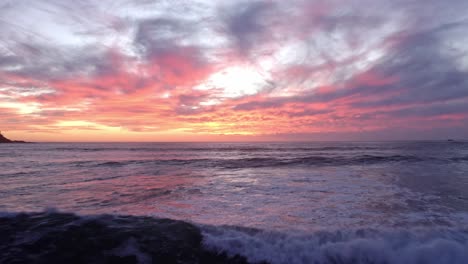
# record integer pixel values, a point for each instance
(319, 202)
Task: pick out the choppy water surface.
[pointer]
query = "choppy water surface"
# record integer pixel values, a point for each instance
(285, 188)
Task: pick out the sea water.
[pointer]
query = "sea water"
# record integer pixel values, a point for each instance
(321, 202)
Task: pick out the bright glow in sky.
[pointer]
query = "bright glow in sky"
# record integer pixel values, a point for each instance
(235, 81)
(233, 70)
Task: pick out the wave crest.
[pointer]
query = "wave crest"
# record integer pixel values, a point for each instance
(443, 246)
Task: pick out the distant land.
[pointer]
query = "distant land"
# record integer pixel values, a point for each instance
(3, 139)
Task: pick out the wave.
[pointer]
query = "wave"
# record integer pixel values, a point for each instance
(442, 246)
(259, 162)
(277, 147)
(55, 237)
(459, 159)
(250, 149)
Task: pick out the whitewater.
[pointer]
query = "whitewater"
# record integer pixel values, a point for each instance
(320, 202)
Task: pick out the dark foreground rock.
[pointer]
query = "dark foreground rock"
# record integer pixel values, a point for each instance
(67, 238)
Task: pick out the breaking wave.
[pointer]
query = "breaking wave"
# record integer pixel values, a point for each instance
(53, 237)
(369, 246)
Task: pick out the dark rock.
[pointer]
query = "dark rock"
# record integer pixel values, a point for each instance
(67, 238)
(3, 139)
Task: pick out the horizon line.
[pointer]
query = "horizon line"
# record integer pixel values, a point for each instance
(264, 141)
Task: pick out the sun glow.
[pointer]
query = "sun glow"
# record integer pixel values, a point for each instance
(87, 125)
(235, 81)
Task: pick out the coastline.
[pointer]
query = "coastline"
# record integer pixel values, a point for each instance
(4, 140)
(17, 142)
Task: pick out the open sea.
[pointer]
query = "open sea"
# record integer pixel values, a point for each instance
(327, 202)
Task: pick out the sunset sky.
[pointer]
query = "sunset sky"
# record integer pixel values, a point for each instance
(211, 70)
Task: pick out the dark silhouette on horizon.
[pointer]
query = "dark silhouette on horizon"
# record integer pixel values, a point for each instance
(3, 139)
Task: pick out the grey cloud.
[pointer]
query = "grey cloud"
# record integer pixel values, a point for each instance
(246, 23)
(10, 60)
(160, 35)
(424, 69)
(432, 110)
(44, 63)
(30, 53)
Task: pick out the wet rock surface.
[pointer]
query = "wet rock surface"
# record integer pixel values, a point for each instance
(67, 238)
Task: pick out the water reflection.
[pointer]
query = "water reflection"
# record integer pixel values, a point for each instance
(300, 186)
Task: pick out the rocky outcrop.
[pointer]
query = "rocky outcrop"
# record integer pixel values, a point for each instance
(3, 139)
(67, 238)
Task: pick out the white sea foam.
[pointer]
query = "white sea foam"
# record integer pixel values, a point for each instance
(442, 246)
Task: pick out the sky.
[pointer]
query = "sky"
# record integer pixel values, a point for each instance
(238, 70)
